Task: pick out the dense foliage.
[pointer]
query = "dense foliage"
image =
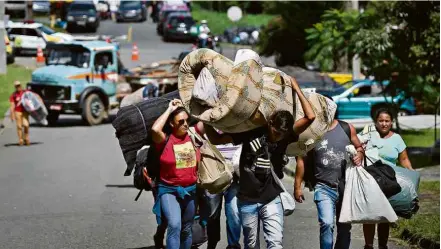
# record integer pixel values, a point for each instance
(397, 41)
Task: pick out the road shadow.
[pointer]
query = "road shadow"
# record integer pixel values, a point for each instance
(120, 186)
(177, 41)
(148, 247)
(17, 145)
(72, 121)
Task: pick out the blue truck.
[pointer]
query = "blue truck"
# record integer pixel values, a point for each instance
(80, 77)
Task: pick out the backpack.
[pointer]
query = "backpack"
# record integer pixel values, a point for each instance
(309, 174)
(147, 168)
(214, 173)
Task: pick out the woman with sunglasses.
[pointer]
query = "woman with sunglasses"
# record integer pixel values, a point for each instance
(177, 175)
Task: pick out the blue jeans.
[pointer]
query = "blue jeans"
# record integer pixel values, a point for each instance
(271, 215)
(231, 213)
(179, 214)
(328, 206)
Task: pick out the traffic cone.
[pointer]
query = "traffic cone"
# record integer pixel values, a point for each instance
(135, 52)
(40, 55)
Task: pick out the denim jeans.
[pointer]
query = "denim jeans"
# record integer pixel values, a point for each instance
(271, 216)
(231, 213)
(162, 228)
(179, 214)
(328, 206)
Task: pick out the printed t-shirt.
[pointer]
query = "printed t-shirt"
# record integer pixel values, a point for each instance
(16, 99)
(178, 161)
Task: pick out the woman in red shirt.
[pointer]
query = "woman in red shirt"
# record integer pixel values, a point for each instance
(177, 175)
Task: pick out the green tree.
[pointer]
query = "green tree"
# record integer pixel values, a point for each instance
(397, 41)
(285, 35)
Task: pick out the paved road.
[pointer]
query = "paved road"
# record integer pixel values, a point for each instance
(67, 190)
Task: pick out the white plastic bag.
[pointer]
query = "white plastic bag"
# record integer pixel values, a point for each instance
(236, 160)
(35, 107)
(205, 89)
(363, 200)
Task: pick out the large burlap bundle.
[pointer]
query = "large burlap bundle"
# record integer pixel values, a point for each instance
(324, 110)
(238, 86)
(248, 94)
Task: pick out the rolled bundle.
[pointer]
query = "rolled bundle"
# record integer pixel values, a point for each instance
(324, 110)
(132, 98)
(242, 95)
(238, 87)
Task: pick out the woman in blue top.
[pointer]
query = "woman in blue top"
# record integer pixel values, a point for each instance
(391, 148)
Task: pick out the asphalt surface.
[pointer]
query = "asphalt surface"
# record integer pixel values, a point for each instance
(67, 189)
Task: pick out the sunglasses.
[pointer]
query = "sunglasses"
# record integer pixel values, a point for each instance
(182, 122)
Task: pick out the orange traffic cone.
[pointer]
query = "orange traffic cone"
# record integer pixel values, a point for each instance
(40, 55)
(135, 52)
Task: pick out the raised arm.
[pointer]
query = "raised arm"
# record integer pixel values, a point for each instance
(216, 138)
(358, 146)
(302, 124)
(158, 135)
(300, 172)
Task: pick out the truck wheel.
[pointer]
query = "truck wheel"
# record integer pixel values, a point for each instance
(93, 110)
(52, 118)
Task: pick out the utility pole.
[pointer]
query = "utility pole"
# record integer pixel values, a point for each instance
(2, 40)
(355, 60)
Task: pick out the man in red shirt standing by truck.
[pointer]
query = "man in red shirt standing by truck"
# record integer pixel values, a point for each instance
(19, 114)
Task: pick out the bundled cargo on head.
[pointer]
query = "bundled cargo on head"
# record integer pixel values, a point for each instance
(231, 96)
(239, 96)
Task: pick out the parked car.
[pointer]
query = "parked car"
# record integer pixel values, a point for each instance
(166, 10)
(320, 83)
(82, 15)
(10, 58)
(41, 6)
(362, 99)
(28, 37)
(131, 11)
(13, 8)
(177, 27)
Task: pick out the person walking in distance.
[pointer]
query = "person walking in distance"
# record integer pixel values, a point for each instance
(19, 115)
(323, 170)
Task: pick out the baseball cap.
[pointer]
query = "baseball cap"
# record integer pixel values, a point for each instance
(17, 83)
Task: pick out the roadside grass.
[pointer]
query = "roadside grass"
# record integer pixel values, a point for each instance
(420, 138)
(15, 72)
(423, 229)
(419, 144)
(218, 21)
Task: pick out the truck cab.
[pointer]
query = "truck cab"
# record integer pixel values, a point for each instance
(79, 78)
